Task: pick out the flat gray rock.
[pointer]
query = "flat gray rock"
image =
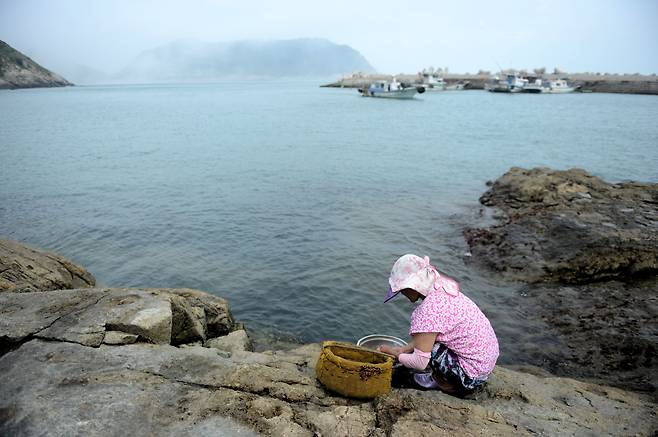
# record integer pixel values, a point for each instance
(85, 315)
(63, 388)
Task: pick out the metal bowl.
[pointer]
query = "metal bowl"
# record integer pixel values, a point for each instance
(376, 340)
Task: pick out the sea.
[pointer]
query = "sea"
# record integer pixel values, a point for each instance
(291, 200)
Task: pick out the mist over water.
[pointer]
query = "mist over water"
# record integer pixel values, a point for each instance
(290, 200)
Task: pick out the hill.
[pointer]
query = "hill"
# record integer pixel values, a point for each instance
(198, 61)
(19, 71)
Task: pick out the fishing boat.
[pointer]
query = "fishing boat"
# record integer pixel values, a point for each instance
(431, 80)
(391, 90)
(558, 86)
(535, 85)
(461, 85)
(511, 83)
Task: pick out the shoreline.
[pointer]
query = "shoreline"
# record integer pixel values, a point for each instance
(174, 361)
(102, 359)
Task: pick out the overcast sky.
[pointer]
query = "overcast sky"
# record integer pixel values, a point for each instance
(617, 36)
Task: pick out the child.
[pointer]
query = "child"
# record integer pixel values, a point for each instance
(449, 332)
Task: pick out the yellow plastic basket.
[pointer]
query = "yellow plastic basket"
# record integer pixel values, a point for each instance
(354, 371)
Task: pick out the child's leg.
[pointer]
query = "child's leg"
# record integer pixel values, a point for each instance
(449, 375)
(402, 377)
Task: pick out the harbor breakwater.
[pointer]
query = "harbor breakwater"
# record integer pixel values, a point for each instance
(161, 361)
(624, 84)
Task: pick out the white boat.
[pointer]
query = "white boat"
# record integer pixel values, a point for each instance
(432, 81)
(511, 83)
(535, 85)
(461, 85)
(558, 86)
(391, 90)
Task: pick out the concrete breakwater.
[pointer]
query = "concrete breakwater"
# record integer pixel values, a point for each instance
(625, 84)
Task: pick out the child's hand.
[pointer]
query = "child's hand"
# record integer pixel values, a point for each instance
(389, 350)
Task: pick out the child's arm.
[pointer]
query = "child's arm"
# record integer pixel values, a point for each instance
(423, 341)
(422, 351)
(396, 351)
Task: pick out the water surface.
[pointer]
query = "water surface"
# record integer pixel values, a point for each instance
(290, 200)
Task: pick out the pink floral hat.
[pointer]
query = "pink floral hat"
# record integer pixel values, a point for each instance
(411, 271)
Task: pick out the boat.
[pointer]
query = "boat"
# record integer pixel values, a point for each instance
(391, 90)
(461, 85)
(535, 85)
(431, 80)
(511, 83)
(558, 86)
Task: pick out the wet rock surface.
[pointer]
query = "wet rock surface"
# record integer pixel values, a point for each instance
(24, 269)
(607, 331)
(569, 227)
(589, 251)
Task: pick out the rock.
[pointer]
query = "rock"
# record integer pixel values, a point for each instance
(606, 331)
(26, 314)
(19, 71)
(232, 342)
(118, 337)
(23, 269)
(153, 323)
(548, 235)
(49, 363)
(218, 318)
(344, 421)
(590, 249)
(83, 316)
(85, 389)
(108, 361)
(188, 321)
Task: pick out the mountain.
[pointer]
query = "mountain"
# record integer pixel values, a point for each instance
(19, 71)
(198, 61)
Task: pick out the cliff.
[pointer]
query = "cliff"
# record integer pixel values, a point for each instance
(19, 71)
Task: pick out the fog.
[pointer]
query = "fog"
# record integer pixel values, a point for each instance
(104, 37)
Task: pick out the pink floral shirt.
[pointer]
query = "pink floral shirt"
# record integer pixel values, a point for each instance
(462, 327)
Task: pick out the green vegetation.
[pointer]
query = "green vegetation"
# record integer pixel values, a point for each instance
(10, 56)
(19, 71)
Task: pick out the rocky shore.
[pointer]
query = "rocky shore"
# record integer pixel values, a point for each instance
(108, 361)
(588, 250)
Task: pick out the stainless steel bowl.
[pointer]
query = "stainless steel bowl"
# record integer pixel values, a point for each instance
(375, 340)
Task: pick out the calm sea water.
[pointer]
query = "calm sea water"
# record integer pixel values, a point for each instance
(290, 200)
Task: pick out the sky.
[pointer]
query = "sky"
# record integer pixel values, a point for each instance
(614, 36)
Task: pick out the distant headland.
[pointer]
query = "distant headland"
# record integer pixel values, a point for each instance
(197, 61)
(19, 71)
